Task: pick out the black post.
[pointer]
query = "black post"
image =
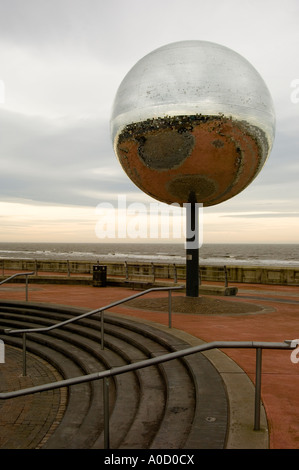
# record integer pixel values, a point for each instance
(192, 248)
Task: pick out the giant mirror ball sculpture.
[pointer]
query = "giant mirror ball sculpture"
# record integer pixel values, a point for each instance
(192, 118)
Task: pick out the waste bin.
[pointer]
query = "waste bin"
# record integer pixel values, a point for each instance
(99, 276)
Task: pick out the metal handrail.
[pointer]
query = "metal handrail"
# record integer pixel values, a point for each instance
(101, 310)
(19, 274)
(91, 312)
(258, 345)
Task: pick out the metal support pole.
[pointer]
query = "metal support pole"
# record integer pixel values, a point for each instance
(225, 277)
(169, 308)
(106, 413)
(102, 329)
(175, 277)
(258, 381)
(24, 356)
(192, 248)
(26, 288)
(153, 272)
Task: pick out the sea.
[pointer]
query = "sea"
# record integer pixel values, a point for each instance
(267, 255)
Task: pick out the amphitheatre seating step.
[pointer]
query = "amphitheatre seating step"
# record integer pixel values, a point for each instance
(163, 406)
(68, 368)
(67, 435)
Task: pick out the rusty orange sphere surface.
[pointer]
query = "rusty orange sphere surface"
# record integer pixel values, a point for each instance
(192, 119)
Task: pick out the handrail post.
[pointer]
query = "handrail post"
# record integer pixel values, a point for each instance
(225, 277)
(258, 380)
(175, 276)
(106, 412)
(24, 356)
(153, 272)
(169, 308)
(102, 329)
(26, 288)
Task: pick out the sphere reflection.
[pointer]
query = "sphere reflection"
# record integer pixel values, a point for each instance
(192, 117)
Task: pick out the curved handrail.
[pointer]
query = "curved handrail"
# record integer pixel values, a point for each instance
(15, 275)
(287, 344)
(19, 274)
(89, 313)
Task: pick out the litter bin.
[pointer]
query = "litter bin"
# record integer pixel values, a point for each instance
(99, 276)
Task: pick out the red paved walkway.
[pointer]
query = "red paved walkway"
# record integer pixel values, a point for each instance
(280, 321)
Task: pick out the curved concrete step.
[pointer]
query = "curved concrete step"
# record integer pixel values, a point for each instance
(74, 356)
(163, 406)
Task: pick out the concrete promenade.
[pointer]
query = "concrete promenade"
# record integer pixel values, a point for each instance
(278, 320)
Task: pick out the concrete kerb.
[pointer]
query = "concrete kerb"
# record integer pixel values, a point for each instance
(240, 393)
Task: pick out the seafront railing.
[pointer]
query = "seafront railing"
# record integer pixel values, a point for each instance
(101, 310)
(275, 275)
(16, 275)
(105, 375)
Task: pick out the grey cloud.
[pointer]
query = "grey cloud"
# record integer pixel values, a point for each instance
(60, 164)
(60, 161)
(282, 167)
(263, 215)
(92, 27)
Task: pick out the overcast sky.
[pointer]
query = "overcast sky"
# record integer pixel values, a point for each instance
(61, 62)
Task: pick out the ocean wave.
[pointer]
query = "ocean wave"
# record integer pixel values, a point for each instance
(249, 255)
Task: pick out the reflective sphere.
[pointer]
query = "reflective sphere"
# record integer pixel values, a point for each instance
(192, 119)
